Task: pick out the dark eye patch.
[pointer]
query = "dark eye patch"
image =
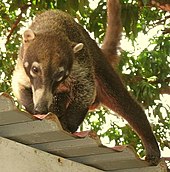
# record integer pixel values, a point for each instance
(59, 76)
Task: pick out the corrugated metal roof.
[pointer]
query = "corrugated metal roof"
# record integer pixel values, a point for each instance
(83, 147)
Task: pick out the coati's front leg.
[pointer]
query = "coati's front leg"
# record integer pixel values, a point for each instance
(25, 98)
(22, 87)
(113, 94)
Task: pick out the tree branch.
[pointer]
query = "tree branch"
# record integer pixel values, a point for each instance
(163, 5)
(136, 79)
(166, 31)
(14, 26)
(165, 90)
(162, 21)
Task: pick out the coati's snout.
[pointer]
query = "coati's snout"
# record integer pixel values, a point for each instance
(41, 108)
(44, 82)
(47, 60)
(42, 99)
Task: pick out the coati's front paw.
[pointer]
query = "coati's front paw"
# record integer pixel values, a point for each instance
(153, 159)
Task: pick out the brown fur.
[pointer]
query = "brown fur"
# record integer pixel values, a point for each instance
(87, 76)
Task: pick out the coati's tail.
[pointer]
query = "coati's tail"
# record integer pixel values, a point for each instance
(113, 32)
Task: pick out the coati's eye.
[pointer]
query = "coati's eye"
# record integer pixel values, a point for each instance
(59, 74)
(35, 69)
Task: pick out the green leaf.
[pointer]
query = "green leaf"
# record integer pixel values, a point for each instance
(145, 2)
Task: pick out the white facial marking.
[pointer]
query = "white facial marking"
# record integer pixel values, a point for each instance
(26, 64)
(37, 95)
(42, 94)
(59, 79)
(36, 64)
(61, 69)
(67, 73)
(32, 74)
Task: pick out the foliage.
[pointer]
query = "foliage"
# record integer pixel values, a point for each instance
(146, 74)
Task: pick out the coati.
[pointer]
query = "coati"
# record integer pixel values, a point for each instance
(62, 70)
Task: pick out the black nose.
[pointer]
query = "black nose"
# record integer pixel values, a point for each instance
(41, 109)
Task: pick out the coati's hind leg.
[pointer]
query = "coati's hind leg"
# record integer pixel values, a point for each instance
(112, 93)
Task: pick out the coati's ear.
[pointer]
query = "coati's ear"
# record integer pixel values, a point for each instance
(78, 47)
(28, 36)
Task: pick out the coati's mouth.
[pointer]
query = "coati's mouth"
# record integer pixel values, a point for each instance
(58, 106)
